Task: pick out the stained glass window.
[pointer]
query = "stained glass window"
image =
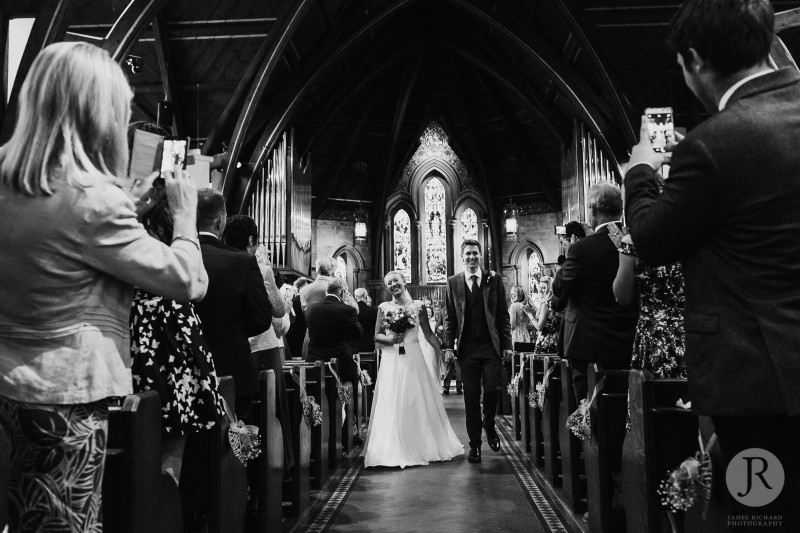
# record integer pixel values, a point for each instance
(402, 244)
(535, 272)
(435, 232)
(341, 267)
(469, 225)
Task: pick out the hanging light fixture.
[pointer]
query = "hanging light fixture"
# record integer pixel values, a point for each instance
(510, 216)
(361, 225)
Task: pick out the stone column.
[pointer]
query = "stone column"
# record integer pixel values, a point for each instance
(418, 273)
(453, 254)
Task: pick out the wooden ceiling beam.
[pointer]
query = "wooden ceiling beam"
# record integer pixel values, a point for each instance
(787, 19)
(488, 185)
(288, 19)
(780, 56)
(48, 27)
(554, 69)
(333, 180)
(391, 160)
(167, 77)
(518, 139)
(322, 62)
(129, 27)
(346, 93)
(610, 87)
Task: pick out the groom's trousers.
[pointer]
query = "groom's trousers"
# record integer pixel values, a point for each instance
(480, 366)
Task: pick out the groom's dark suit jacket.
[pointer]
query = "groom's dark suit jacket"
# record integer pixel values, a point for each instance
(596, 327)
(730, 211)
(494, 301)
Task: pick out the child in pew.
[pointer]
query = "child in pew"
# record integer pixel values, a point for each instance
(170, 355)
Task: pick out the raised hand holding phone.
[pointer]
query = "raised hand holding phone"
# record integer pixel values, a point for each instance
(182, 198)
(643, 152)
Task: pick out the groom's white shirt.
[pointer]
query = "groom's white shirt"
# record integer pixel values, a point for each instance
(478, 273)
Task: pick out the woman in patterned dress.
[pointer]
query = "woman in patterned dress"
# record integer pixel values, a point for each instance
(170, 355)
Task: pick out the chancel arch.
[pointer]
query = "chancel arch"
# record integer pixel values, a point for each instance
(350, 265)
(528, 262)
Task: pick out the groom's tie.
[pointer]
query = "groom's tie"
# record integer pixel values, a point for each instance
(473, 282)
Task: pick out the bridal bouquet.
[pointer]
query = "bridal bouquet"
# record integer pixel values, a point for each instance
(400, 320)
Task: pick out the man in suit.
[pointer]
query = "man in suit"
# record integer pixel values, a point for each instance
(236, 305)
(297, 333)
(332, 329)
(477, 316)
(316, 291)
(730, 211)
(367, 316)
(596, 328)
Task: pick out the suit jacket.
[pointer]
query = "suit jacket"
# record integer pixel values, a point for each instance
(596, 327)
(494, 301)
(332, 326)
(730, 211)
(367, 317)
(317, 290)
(235, 308)
(297, 332)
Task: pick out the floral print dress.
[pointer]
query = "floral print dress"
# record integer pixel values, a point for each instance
(659, 344)
(170, 356)
(547, 341)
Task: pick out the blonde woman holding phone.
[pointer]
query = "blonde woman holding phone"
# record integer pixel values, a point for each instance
(71, 253)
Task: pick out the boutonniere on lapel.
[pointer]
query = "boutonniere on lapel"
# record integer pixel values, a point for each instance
(487, 276)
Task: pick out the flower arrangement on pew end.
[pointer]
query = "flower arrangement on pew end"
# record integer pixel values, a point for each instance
(312, 412)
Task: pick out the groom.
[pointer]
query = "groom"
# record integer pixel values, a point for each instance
(477, 315)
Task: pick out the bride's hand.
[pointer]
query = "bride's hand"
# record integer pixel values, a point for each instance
(398, 338)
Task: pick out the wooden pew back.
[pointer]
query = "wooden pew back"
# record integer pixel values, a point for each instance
(269, 464)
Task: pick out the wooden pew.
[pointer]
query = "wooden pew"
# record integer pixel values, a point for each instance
(550, 430)
(334, 422)
(535, 374)
(572, 466)
(137, 496)
(504, 399)
(369, 363)
(269, 464)
(315, 386)
(227, 474)
(297, 490)
(661, 437)
(516, 401)
(603, 451)
(526, 387)
(346, 428)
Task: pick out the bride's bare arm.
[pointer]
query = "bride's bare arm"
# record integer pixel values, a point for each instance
(383, 338)
(426, 328)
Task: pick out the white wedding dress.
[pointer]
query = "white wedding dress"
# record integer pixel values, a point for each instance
(408, 424)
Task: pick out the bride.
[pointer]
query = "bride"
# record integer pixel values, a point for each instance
(408, 425)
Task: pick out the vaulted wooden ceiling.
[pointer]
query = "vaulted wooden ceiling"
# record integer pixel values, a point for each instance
(359, 80)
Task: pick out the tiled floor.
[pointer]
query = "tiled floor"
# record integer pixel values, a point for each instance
(456, 496)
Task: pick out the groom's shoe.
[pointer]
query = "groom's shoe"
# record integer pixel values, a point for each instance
(474, 454)
(494, 441)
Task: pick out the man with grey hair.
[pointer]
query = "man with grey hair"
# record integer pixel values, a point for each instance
(332, 328)
(596, 328)
(315, 292)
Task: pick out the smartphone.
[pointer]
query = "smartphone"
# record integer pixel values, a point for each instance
(174, 151)
(561, 230)
(660, 126)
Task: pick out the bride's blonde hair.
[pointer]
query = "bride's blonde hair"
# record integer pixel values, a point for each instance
(74, 109)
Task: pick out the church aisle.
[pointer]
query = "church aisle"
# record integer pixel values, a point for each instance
(497, 495)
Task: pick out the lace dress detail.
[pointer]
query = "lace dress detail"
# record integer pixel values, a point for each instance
(521, 322)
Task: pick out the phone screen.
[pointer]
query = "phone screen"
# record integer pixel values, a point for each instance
(660, 126)
(173, 153)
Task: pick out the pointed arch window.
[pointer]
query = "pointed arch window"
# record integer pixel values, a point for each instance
(402, 244)
(469, 225)
(341, 267)
(435, 232)
(535, 273)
